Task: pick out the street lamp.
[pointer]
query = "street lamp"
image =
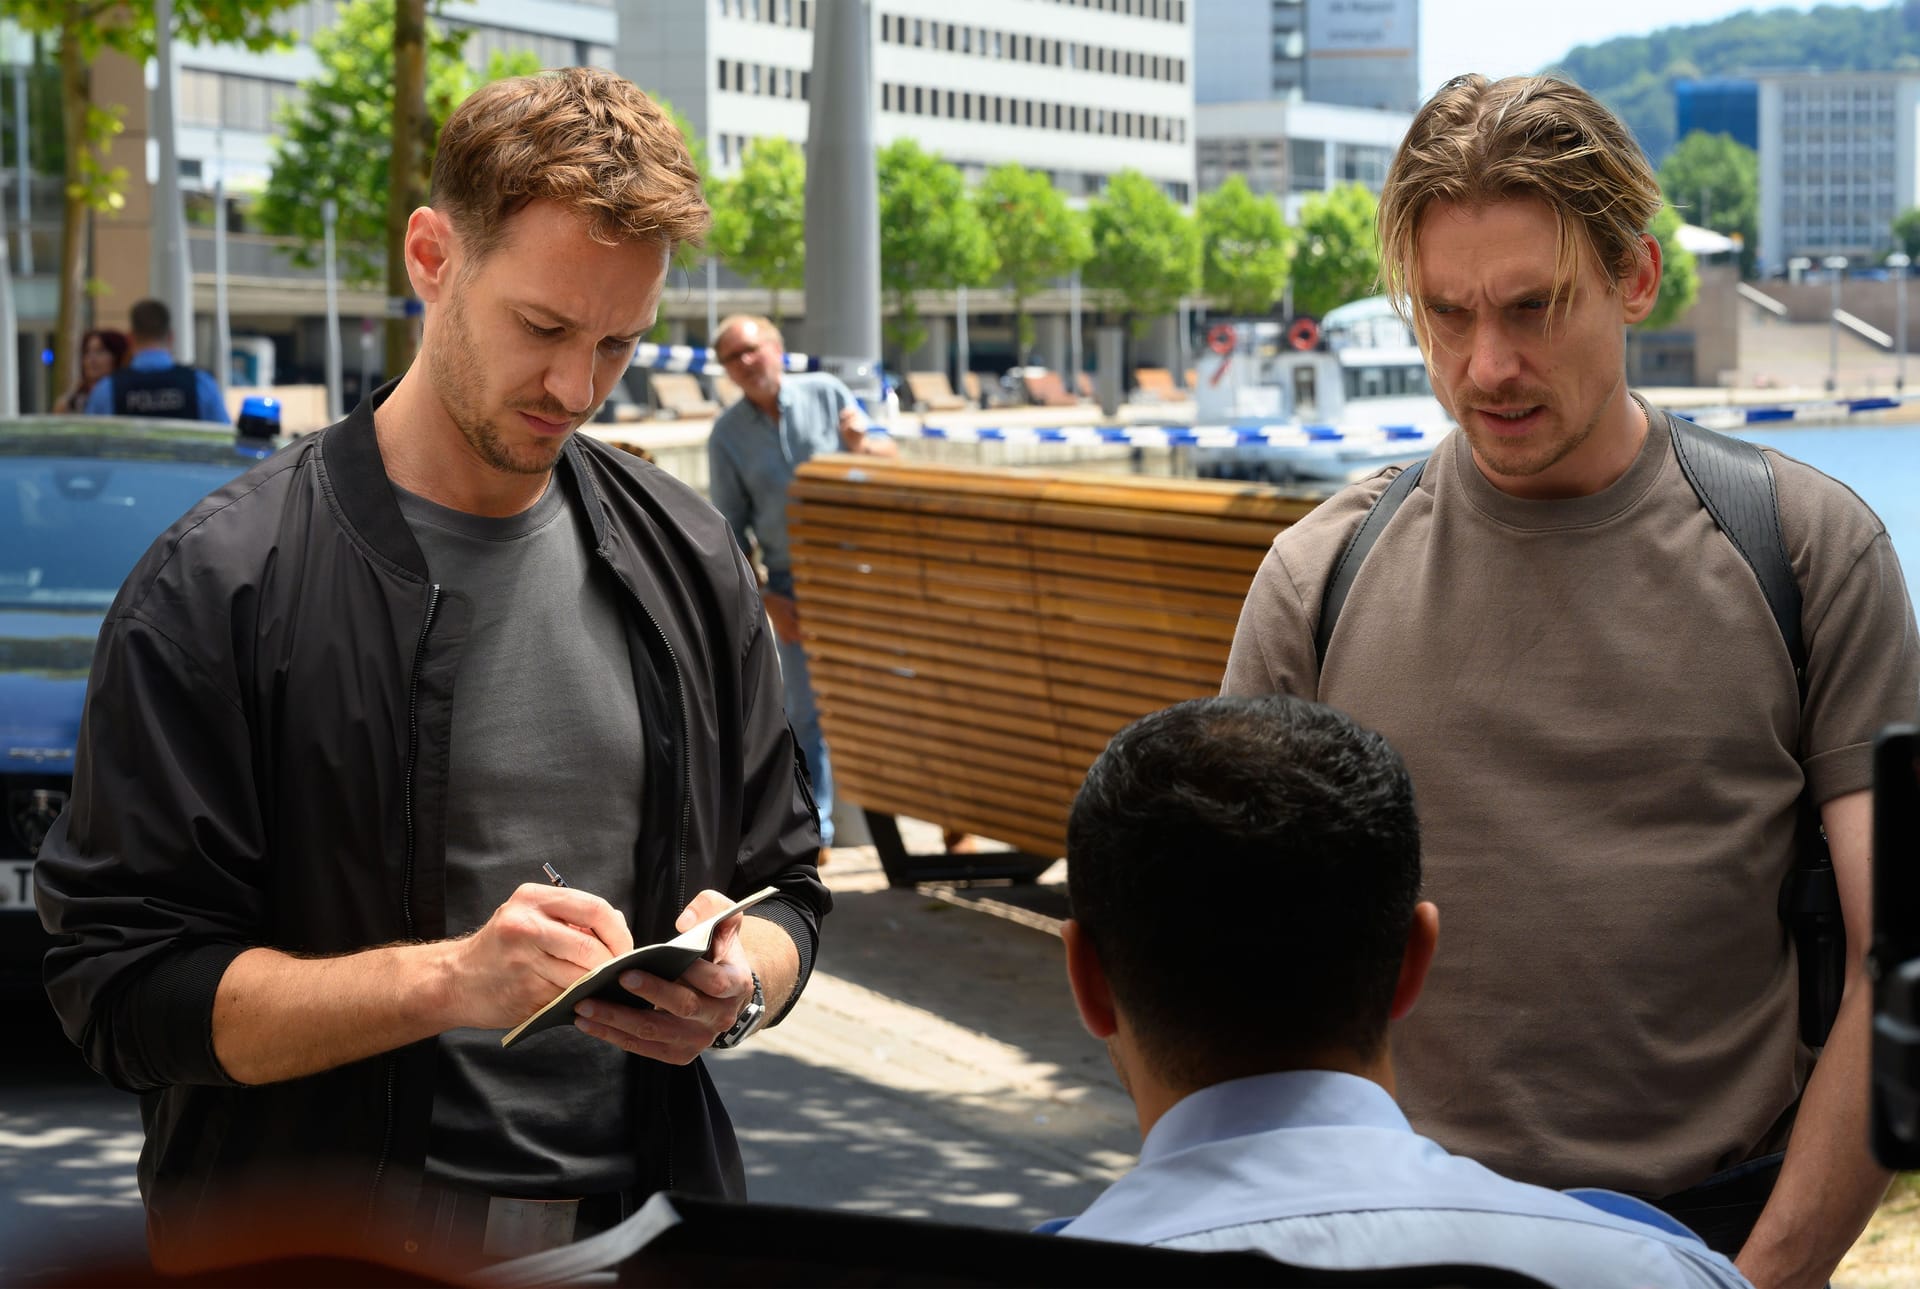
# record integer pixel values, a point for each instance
(1898, 262)
(1835, 265)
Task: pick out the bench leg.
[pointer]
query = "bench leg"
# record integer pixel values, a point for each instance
(905, 869)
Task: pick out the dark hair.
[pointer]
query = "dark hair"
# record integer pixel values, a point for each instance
(114, 342)
(151, 320)
(1246, 871)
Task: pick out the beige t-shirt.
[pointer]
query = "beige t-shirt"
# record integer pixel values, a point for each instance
(1601, 723)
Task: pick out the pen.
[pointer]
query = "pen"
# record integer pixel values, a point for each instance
(553, 875)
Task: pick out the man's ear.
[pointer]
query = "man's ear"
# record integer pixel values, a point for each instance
(1423, 936)
(432, 252)
(1640, 288)
(1091, 993)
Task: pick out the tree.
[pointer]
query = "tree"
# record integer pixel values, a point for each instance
(1679, 275)
(1337, 259)
(760, 218)
(1245, 248)
(1037, 236)
(931, 237)
(1717, 182)
(410, 144)
(1146, 250)
(336, 141)
(84, 29)
(1906, 231)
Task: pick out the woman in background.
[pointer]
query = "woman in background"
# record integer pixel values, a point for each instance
(102, 353)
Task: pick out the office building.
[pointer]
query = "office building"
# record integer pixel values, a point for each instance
(1292, 150)
(1724, 105)
(1353, 53)
(1838, 157)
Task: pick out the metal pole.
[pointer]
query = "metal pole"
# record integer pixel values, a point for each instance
(713, 301)
(172, 269)
(1073, 324)
(1835, 265)
(24, 196)
(222, 324)
(330, 211)
(1899, 262)
(9, 331)
(842, 199)
(963, 355)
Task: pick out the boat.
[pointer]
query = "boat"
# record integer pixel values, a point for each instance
(1326, 403)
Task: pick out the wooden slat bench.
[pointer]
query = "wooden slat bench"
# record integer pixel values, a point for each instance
(976, 636)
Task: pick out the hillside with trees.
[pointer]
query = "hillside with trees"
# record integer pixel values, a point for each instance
(1634, 75)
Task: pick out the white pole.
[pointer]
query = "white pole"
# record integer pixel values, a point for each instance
(172, 266)
(1899, 262)
(330, 211)
(222, 324)
(963, 350)
(713, 300)
(1834, 265)
(9, 331)
(24, 195)
(1073, 327)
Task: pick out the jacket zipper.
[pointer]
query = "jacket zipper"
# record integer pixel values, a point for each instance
(406, 882)
(686, 770)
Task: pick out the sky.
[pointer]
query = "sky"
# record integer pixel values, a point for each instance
(1506, 37)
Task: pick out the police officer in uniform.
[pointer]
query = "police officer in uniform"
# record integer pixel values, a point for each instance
(152, 383)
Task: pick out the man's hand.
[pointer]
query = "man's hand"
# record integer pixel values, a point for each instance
(688, 1014)
(853, 429)
(534, 946)
(785, 615)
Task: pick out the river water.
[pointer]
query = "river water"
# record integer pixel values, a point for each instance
(1880, 462)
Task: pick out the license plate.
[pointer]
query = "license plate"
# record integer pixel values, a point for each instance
(16, 884)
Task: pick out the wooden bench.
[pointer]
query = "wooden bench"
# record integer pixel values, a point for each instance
(976, 636)
(932, 392)
(1155, 383)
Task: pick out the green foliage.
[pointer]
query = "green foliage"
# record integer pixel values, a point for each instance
(1338, 257)
(127, 25)
(1634, 75)
(335, 140)
(1679, 275)
(1146, 250)
(931, 236)
(1717, 182)
(1906, 231)
(1245, 248)
(1037, 236)
(760, 218)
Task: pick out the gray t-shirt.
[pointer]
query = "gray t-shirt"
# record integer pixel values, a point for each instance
(1606, 745)
(546, 765)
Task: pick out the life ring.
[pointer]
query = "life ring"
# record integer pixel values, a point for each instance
(1304, 334)
(1221, 338)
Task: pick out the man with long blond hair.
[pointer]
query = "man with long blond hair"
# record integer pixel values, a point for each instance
(345, 711)
(1599, 712)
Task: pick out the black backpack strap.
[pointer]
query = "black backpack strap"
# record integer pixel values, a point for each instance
(1735, 483)
(1355, 554)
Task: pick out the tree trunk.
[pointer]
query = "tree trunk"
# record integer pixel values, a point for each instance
(773, 307)
(76, 96)
(406, 165)
(1021, 344)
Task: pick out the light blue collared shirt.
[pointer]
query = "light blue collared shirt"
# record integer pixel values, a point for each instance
(1322, 1170)
(751, 460)
(212, 406)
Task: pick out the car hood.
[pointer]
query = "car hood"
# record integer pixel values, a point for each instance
(44, 660)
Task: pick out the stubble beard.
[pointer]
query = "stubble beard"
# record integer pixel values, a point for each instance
(458, 371)
(1528, 457)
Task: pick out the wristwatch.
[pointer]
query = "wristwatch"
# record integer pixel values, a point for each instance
(750, 1017)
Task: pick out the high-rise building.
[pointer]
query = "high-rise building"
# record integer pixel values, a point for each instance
(1723, 105)
(1354, 53)
(1839, 158)
(1293, 150)
(1080, 89)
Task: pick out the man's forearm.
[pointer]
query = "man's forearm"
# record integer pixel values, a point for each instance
(1829, 1185)
(773, 957)
(279, 1017)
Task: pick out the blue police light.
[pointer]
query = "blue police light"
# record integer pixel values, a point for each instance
(46, 357)
(259, 419)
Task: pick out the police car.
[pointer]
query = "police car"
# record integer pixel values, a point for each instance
(81, 499)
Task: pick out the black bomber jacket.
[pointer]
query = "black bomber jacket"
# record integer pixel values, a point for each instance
(263, 761)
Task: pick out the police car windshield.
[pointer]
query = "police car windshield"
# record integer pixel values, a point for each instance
(72, 528)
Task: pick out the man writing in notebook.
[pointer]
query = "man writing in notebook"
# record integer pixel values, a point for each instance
(1269, 1118)
(345, 709)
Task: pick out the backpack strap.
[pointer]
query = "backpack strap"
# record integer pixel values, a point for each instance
(1355, 554)
(1735, 483)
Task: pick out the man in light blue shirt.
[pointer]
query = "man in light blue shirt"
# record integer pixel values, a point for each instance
(1269, 1117)
(781, 422)
(152, 383)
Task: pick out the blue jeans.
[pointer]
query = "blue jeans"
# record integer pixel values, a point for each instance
(803, 714)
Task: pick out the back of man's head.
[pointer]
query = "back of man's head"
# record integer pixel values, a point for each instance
(1478, 142)
(585, 139)
(1246, 871)
(150, 322)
